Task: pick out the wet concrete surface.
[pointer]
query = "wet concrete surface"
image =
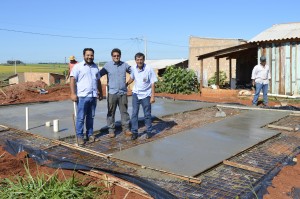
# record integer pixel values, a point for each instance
(39, 113)
(192, 152)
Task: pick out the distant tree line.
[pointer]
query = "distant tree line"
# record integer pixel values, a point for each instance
(14, 61)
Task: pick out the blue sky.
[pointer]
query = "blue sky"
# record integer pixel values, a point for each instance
(50, 31)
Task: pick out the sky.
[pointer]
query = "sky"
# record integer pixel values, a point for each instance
(36, 31)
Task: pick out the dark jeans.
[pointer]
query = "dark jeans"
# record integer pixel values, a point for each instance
(113, 101)
(258, 88)
(146, 105)
(86, 107)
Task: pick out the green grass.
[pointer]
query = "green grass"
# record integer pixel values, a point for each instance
(53, 68)
(48, 187)
(8, 70)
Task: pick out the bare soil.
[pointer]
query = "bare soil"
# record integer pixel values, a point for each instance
(282, 185)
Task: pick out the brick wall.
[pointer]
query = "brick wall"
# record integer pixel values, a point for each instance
(199, 46)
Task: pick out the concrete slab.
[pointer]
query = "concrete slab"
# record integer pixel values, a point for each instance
(39, 113)
(193, 151)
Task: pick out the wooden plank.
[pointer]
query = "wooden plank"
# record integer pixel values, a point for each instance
(245, 167)
(109, 180)
(3, 92)
(201, 76)
(295, 114)
(282, 70)
(281, 127)
(72, 146)
(287, 87)
(230, 72)
(297, 68)
(277, 71)
(293, 69)
(182, 177)
(218, 72)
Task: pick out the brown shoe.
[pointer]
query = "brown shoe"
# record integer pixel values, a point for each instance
(111, 134)
(128, 133)
(92, 138)
(80, 141)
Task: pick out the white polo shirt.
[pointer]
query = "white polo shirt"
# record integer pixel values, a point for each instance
(143, 79)
(261, 74)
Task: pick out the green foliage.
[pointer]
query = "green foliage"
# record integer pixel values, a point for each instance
(222, 78)
(47, 187)
(177, 80)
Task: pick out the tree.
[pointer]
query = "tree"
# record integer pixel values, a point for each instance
(177, 80)
(11, 62)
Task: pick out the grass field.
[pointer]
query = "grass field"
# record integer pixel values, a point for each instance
(8, 70)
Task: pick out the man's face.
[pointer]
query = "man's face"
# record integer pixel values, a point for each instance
(140, 61)
(263, 63)
(89, 57)
(116, 57)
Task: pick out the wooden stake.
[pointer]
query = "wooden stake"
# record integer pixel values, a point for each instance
(118, 181)
(245, 167)
(281, 127)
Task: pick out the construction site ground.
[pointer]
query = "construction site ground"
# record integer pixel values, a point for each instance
(249, 168)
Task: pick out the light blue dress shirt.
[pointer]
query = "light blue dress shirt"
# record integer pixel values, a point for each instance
(86, 78)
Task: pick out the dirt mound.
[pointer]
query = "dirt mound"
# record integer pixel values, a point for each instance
(30, 92)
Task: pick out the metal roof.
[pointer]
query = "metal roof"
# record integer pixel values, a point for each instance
(158, 64)
(227, 51)
(279, 32)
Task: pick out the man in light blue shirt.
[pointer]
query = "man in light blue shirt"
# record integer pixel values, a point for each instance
(142, 94)
(85, 89)
(117, 92)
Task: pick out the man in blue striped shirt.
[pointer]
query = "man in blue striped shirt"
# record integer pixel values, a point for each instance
(85, 89)
(117, 92)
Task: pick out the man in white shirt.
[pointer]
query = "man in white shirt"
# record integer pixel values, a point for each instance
(260, 78)
(142, 94)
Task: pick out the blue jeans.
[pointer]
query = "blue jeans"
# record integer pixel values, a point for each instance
(258, 88)
(135, 113)
(86, 107)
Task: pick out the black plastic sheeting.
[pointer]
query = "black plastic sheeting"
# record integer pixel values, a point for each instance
(289, 108)
(43, 158)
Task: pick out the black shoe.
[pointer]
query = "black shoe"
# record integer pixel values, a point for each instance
(134, 136)
(149, 135)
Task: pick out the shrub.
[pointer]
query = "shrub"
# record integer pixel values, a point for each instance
(222, 78)
(177, 80)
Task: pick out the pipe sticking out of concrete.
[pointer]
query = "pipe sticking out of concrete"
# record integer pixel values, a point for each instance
(48, 124)
(27, 118)
(75, 109)
(55, 125)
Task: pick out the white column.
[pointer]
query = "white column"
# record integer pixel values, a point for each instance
(55, 125)
(27, 119)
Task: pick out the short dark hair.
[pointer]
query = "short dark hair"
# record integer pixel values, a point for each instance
(139, 55)
(88, 49)
(115, 50)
